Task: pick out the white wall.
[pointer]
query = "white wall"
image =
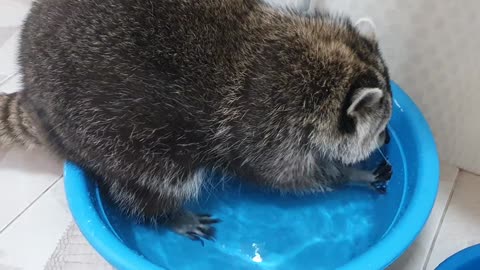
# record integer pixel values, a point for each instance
(433, 50)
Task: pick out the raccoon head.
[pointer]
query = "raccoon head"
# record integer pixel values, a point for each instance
(338, 87)
(358, 114)
(362, 125)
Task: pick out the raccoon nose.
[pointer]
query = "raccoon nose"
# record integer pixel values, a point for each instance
(387, 136)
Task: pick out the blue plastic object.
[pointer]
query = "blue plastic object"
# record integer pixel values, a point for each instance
(352, 228)
(466, 259)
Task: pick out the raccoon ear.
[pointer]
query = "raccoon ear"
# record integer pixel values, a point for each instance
(364, 98)
(366, 27)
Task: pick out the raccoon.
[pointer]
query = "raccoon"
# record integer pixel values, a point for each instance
(150, 97)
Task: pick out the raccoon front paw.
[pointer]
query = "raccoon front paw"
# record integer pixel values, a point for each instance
(195, 227)
(382, 174)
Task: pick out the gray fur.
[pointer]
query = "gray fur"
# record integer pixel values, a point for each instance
(149, 96)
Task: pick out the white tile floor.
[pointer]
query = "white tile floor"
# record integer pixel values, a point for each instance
(34, 214)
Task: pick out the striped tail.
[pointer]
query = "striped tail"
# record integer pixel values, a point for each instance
(16, 126)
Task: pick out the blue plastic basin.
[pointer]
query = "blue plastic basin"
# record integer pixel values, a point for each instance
(466, 259)
(351, 228)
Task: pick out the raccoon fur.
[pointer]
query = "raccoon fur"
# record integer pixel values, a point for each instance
(151, 96)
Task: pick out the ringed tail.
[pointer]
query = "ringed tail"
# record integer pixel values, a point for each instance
(16, 126)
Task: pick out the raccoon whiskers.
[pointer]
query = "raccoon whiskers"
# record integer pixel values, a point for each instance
(379, 149)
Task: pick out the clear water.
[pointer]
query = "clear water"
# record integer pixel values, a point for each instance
(267, 230)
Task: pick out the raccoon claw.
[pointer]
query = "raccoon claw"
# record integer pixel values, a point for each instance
(383, 172)
(195, 227)
(207, 219)
(195, 237)
(380, 186)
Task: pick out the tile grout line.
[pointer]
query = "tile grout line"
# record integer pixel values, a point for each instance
(444, 213)
(8, 78)
(30, 204)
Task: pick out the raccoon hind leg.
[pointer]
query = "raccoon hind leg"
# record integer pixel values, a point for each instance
(160, 200)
